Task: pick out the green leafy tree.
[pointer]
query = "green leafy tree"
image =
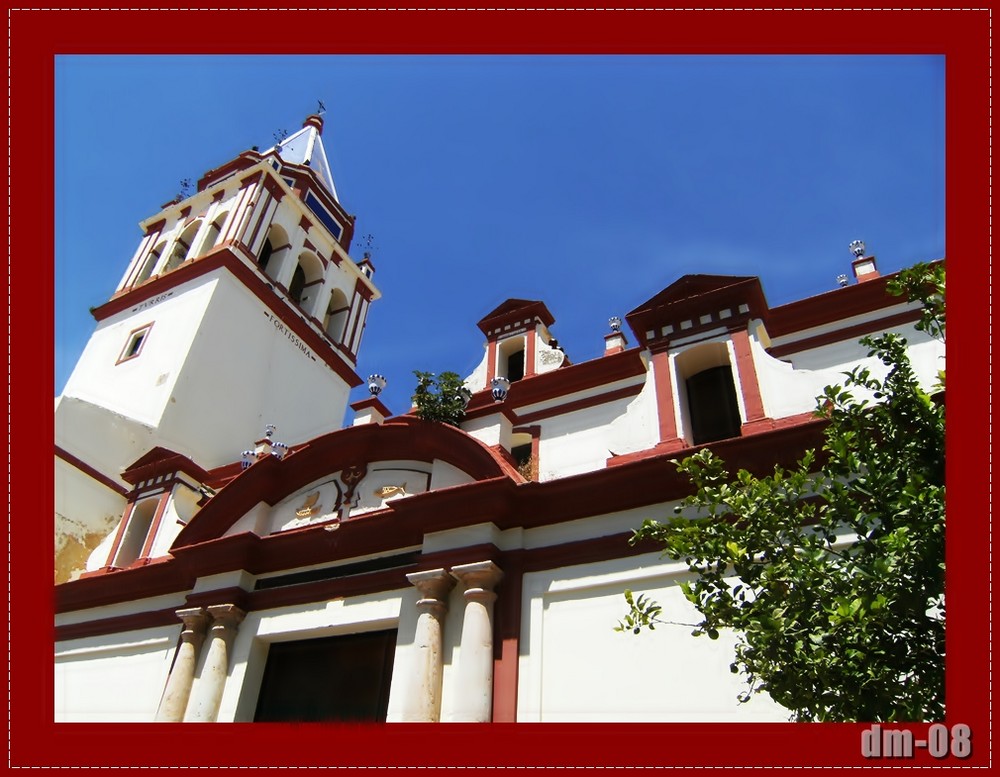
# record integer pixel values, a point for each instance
(830, 574)
(440, 397)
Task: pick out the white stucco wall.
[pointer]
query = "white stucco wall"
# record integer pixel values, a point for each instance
(115, 678)
(575, 668)
(791, 385)
(245, 371)
(580, 441)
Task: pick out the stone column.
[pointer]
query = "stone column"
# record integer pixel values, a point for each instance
(204, 704)
(474, 690)
(423, 697)
(178, 688)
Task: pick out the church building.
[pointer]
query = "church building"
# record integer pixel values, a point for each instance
(354, 565)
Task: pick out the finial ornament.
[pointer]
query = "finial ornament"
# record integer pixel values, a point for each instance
(500, 388)
(376, 383)
(615, 323)
(321, 109)
(858, 248)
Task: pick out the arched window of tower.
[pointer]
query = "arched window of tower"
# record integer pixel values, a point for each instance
(150, 264)
(337, 312)
(306, 282)
(212, 234)
(182, 246)
(273, 251)
(298, 284)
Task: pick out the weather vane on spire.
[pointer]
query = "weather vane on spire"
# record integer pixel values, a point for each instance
(322, 108)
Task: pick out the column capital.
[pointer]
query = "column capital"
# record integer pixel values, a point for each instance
(482, 574)
(432, 584)
(226, 615)
(195, 620)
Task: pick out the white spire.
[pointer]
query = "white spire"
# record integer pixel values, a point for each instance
(305, 147)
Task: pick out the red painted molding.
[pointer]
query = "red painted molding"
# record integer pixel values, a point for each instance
(90, 472)
(832, 306)
(162, 461)
(514, 312)
(566, 380)
(753, 403)
(156, 226)
(663, 384)
(580, 404)
(495, 497)
(847, 333)
(117, 625)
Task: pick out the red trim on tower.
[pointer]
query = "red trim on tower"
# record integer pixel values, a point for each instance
(156, 226)
(90, 472)
(305, 223)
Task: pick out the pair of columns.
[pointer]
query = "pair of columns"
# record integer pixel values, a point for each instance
(218, 622)
(474, 684)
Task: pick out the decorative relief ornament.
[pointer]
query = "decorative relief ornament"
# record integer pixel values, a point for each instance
(388, 491)
(309, 508)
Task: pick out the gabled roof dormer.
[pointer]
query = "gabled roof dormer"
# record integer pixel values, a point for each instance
(695, 304)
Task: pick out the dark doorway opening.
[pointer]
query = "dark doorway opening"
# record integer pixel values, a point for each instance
(342, 678)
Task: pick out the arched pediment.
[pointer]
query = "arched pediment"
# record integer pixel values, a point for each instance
(351, 454)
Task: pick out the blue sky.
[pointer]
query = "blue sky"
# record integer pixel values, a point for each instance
(590, 183)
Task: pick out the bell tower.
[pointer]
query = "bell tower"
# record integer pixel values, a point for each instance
(241, 307)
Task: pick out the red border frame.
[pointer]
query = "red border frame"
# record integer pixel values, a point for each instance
(963, 36)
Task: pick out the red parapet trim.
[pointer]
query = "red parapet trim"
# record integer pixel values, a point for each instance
(223, 257)
(580, 404)
(747, 371)
(479, 409)
(663, 385)
(858, 330)
(156, 226)
(764, 425)
(531, 340)
(565, 380)
(154, 526)
(90, 472)
(117, 625)
(201, 550)
(832, 306)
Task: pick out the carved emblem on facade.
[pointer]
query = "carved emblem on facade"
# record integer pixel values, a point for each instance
(309, 507)
(388, 491)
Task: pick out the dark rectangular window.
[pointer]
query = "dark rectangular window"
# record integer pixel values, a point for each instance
(715, 415)
(515, 366)
(342, 678)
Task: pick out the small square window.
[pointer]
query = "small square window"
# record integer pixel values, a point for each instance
(133, 344)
